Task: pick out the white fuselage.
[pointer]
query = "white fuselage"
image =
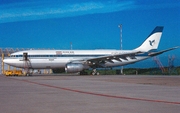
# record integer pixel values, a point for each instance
(79, 60)
(49, 59)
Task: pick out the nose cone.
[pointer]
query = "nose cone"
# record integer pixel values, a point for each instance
(11, 62)
(7, 61)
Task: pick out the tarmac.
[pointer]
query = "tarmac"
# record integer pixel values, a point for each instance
(90, 94)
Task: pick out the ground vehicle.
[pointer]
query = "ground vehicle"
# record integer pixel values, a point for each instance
(13, 72)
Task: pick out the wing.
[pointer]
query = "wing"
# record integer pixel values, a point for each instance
(100, 61)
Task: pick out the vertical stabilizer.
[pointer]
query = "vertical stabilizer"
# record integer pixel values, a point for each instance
(152, 41)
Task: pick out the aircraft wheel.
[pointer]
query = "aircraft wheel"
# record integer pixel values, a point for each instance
(27, 74)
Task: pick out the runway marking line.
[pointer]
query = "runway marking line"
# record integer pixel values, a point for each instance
(98, 94)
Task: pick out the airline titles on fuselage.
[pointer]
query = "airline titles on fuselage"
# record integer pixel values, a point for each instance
(64, 52)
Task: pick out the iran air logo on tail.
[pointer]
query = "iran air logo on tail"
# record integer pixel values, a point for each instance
(151, 42)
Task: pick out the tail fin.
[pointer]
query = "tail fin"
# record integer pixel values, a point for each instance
(152, 41)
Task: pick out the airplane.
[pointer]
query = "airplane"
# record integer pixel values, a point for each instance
(73, 61)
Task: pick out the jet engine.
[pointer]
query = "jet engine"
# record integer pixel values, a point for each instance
(74, 67)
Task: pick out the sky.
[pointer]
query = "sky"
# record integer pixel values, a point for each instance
(88, 24)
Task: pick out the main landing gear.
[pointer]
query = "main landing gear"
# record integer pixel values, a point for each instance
(95, 72)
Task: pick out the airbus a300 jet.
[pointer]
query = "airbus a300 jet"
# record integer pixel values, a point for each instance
(73, 61)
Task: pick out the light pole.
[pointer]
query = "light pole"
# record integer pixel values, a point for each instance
(71, 45)
(120, 26)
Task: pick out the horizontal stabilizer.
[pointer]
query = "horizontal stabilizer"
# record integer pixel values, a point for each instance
(160, 52)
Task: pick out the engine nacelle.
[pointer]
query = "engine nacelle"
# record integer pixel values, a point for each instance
(74, 67)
